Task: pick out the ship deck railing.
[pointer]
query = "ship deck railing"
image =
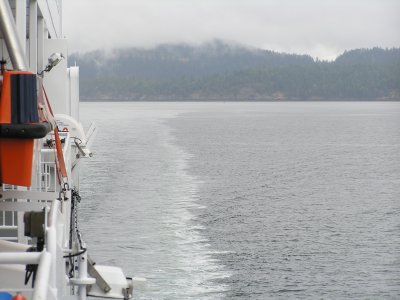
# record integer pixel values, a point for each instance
(45, 188)
(47, 272)
(43, 260)
(45, 195)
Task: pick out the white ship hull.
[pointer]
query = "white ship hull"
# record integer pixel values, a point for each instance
(42, 252)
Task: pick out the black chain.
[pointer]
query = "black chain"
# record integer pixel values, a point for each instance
(74, 233)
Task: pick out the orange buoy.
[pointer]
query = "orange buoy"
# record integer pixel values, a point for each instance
(18, 126)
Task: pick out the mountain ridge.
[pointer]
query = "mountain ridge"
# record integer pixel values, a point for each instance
(220, 71)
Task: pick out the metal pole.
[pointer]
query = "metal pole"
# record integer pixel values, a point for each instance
(33, 34)
(42, 277)
(23, 258)
(83, 274)
(20, 22)
(52, 240)
(9, 30)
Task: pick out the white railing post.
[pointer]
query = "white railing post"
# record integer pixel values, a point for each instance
(52, 249)
(51, 232)
(42, 278)
(83, 274)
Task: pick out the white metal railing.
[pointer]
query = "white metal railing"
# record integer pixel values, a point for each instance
(48, 176)
(13, 204)
(43, 194)
(44, 181)
(47, 170)
(23, 258)
(8, 220)
(46, 260)
(51, 236)
(42, 259)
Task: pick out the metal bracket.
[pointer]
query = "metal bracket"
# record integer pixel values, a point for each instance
(99, 279)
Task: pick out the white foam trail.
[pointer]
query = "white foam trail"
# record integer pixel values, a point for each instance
(140, 207)
(195, 258)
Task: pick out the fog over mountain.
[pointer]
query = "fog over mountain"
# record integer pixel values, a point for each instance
(221, 71)
(323, 29)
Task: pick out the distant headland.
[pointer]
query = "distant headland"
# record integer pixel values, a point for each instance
(219, 71)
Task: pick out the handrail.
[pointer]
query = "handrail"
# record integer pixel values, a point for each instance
(42, 259)
(51, 234)
(43, 276)
(46, 260)
(20, 258)
(53, 213)
(32, 195)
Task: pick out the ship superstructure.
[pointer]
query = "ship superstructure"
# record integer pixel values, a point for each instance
(42, 252)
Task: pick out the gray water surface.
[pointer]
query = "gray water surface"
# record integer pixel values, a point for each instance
(247, 200)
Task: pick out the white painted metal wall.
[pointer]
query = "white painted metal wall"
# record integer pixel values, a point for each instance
(73, 91)
(56, 81)
(44, 37)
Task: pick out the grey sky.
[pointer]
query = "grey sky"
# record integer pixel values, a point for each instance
(322, 28)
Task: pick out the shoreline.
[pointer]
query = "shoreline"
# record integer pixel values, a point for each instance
(252, 100)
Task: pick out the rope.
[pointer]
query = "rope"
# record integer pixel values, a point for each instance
(60, 163)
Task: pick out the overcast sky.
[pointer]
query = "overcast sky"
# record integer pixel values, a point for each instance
(322, 28)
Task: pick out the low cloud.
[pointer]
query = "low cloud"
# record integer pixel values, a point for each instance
(320, 28)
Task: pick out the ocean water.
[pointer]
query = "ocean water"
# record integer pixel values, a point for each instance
(294, 200)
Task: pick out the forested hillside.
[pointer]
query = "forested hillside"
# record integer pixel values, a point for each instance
(218, 71)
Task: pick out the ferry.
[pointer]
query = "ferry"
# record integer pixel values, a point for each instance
(43, 254)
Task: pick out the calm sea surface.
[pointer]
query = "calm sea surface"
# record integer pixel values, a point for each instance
(247, 200)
